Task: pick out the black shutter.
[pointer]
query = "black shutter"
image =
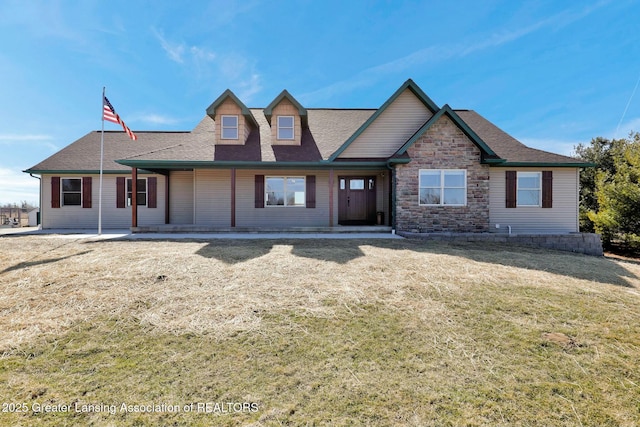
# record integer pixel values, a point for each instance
(547, 189)
(86, 192)
(310, 181)
(121, 195)
(511, 183)
(55, 192)
(152, 192)
(259, 196)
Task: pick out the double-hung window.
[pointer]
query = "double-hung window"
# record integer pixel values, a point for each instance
(141, 192)
(229, 127)
(285, 191)
(443, 187)
(71, 191)
(285, 127)
(529, 188)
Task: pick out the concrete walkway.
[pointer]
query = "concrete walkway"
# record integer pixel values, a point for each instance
(127, 235)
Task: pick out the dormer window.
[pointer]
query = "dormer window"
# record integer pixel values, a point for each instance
(229, 127)
(285, 127)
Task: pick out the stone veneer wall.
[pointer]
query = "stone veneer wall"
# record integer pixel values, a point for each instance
(584, 243)
(443, 146)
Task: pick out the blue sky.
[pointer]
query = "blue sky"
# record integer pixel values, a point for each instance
(551, 73)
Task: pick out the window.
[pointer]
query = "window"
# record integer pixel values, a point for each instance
(356, 184)
(229, 127)
(443, 187)
(528, 192)
(141, 192)
(285, 191)
(285, 127)
(71, 191)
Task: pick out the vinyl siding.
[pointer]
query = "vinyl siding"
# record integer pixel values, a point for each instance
(181, 197)
(77, 217)
(247, 215)
(391, 129)
(213, 197)
(561, 218)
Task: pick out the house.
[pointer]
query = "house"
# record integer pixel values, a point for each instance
(410, 164)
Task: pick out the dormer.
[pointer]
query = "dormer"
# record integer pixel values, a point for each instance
(286, 117)
(233, 120)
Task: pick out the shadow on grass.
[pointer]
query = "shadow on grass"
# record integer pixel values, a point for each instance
(26, 264)
(342, 251)
(236, 251)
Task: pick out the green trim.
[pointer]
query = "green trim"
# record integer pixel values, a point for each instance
(211, 110)
(409, 84)
(398, 161)
(488, 156)
(547, 165)
(268, 111)
(73, 171)
(178, 165)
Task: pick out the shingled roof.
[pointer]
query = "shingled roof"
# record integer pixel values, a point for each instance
(324, 134)
(510, 149)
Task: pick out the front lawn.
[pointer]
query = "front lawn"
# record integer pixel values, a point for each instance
(314, 332)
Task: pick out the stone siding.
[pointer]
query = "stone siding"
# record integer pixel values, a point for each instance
(443, 146)
(584, 243)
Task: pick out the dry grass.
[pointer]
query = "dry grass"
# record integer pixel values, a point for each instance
(320, 332)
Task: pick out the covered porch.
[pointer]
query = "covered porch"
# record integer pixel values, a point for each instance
(292, 199)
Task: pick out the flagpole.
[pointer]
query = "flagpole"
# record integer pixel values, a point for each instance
(101, 161)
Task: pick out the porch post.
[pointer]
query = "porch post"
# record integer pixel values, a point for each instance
(330, 197)
(167, 218)
(393, 199)
(134, 197)
(233, 197)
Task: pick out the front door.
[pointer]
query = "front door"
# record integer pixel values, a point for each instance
(356, 200)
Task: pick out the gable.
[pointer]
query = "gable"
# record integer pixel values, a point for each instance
(391, 129)
(488, 156)
(285, 97)
(285, 108)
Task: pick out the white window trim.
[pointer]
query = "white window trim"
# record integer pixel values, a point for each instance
(518, 204)
(285, 178)
(126, 191)
(293, 126)
(442, 187)
(62, 191)
(223, 127)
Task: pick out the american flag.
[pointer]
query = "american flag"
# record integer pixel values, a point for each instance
(109, 114)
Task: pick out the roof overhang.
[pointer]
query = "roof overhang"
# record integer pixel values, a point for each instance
(182, 165)
(72, 171)
(546, 164)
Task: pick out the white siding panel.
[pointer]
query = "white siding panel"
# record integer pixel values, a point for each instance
(76, 217)
(561, 218)
(181, 197)
(213, 197)
(247, 215)
(391, 129)
(149, 216)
